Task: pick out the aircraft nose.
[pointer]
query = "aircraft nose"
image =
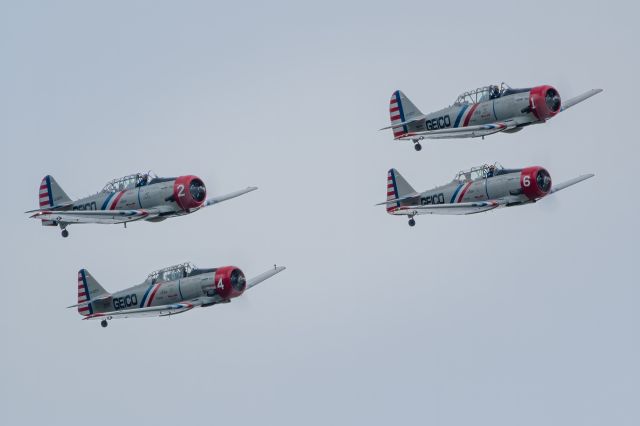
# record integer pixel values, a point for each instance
(552, 99)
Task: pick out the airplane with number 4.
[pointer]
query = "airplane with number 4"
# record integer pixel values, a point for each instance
(166, 292)
(141, 196)
(473, 191)
(479, 113)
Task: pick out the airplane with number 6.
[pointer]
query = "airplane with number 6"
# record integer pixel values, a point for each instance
(141, 196)
(479, 113)
(473, 191)
(166, 292)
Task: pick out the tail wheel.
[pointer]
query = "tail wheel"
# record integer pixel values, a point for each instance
(417, 146)
(65, 233)
(412, 222)
(104, 323)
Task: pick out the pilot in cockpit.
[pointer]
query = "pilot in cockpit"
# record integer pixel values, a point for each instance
(143, 180)
(495, 92)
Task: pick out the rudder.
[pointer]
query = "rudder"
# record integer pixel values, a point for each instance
(397, 187)
(88, 289)
(401, 109)
(50, 194)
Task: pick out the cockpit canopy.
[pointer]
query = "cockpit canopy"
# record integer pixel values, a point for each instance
(172, 273)
(480, 172)
(129, 182)
(486, 93)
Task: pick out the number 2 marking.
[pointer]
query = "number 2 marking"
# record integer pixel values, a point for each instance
(181, 190)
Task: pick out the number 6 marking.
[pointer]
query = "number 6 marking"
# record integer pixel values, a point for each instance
(526, 181)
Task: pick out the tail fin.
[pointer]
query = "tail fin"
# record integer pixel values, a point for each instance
(397, 187)
(401, 110)
(88, 289)
(51, 195)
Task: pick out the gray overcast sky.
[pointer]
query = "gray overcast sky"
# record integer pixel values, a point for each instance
(522, 316)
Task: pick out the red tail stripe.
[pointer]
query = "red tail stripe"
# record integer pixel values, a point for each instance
(394, 109)
(395, 117)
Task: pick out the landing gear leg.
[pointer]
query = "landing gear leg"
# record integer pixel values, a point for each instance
(104, 323)
(412, 221)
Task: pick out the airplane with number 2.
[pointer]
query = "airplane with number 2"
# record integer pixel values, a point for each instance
(166, 292)
(141, 196)
(473, 191)
(479, 113)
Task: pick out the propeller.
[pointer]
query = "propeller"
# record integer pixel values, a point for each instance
(552, 99)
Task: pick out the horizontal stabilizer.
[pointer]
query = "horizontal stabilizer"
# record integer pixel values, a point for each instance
(97, 299)
(401, 199)
(404, 123)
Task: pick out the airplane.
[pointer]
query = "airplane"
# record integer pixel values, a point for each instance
(476, 190)
(140, 196)
(479, 113)
(165, 292)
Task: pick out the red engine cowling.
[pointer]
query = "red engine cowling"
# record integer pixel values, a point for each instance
(545, 102)
(189, 192)
(535, 182)
(229, 282)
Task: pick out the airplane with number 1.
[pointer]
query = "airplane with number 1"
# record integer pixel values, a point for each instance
(477, 190)
(479, 113)
(166, 292)
(141, 196)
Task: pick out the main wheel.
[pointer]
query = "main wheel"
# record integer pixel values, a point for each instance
(412, 222)
(65, 233)
(104, 323)
(417, 147)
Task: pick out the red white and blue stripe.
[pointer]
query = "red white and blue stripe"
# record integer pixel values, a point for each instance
(465, 115)
(149, 295)
(460, 192)
(392, 191)
(397, 115)
(45, 197)
(83, 294)
(111, 202)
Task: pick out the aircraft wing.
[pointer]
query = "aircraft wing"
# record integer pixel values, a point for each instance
(583, 97)
(568, 183)
(252, 282)
(221, 198)
(449, 209)
(96, 216)
(152, 311)
(460, 132)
